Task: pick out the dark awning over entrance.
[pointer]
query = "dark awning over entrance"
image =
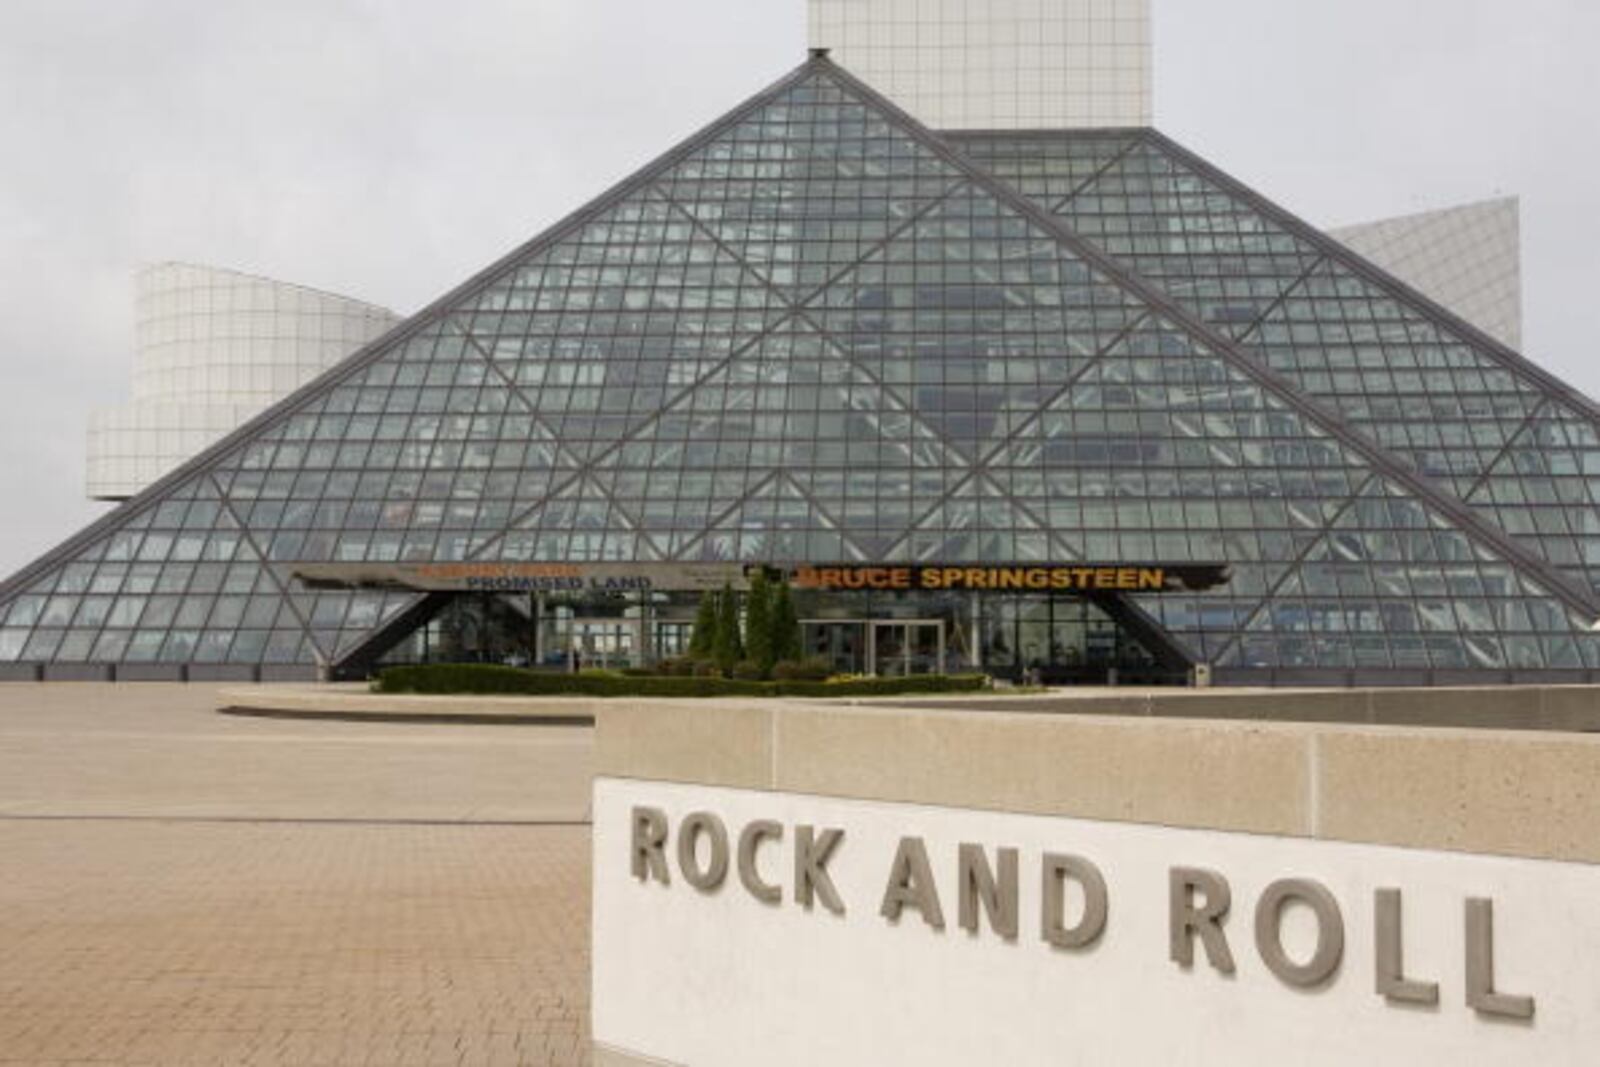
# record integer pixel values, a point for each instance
(830, 577)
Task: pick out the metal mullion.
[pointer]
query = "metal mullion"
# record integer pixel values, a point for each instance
(1094, 179)
(522, 516)
(711, 235)
(1505, 450)
(627, 515)
(1134, 135)
(941, 501)
(1014, 502)
(839, 526)
(1294, 566)
(630, 435)
(833, 279)
(1417, 301)
(742, 350)
(1313, 411)
(894, 235)
(842, 354)
(266, 567)
(1283, 298)
(585, 479)
(688, 390)
(749, 495)
(506, 380)
(982, 464)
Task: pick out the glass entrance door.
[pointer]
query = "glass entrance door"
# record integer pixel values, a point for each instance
(841, 643)
(889, 647)
(606, 643)
(898, 647)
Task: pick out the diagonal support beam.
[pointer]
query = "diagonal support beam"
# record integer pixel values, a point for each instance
(798, 306)
(1294, 567)
(1511, 442)
(266, 565)
(1576, 597)
(1089, 183)
(1523, 368)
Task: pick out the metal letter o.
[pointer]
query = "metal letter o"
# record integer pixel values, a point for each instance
(711, 876)
(1330, 932)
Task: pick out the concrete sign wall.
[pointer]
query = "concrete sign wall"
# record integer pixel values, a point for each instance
(791, 883)
(942, 936)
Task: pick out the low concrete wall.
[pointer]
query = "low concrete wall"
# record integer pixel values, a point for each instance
(356, 701)
(1499, 792)
(702, 962)
(1569, 708)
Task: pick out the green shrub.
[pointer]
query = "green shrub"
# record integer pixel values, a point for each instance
(706, 668)
(749, 670)
(484, 678)
(490, 679)
(810, 669)
(704, 634)
(917, 684)
(727, 648)
(758, 643)
(786, 642)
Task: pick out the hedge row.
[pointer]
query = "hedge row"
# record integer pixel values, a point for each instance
(489, 678)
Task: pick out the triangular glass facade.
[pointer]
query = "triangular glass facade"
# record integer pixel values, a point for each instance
(818, 332)
(1478, 421)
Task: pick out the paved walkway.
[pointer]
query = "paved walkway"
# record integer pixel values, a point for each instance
(182, 888)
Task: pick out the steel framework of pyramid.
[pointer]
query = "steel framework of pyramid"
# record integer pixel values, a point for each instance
(817, 331)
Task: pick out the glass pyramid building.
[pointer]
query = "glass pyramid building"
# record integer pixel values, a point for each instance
(818, 335)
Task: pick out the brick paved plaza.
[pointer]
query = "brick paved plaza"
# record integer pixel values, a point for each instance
(181, 887)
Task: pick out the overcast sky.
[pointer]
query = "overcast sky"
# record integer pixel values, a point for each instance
(387, 149)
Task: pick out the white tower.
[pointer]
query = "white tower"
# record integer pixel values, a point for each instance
(1469, 258)
(997, 64)
(214, 348)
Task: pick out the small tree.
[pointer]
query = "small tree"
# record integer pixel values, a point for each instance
(727, 649)
(786, 643)
(703, 638)
(758, 629)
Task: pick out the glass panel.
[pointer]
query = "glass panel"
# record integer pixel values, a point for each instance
(812, 337)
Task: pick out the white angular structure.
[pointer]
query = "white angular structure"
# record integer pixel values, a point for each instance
(1468, 258)
(1071, 64)
(997, 64)
(214, 348)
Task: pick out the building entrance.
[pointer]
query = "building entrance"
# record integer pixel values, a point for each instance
(1058, 639)
(843, 643)
(606, 643)
(898, 647)
(884, 647)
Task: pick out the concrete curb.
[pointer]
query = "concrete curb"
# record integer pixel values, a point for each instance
(355, 704)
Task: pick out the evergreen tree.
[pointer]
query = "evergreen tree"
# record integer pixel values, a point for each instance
(727, 649)
(703, 638)
(758, 629)
(785, 625)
